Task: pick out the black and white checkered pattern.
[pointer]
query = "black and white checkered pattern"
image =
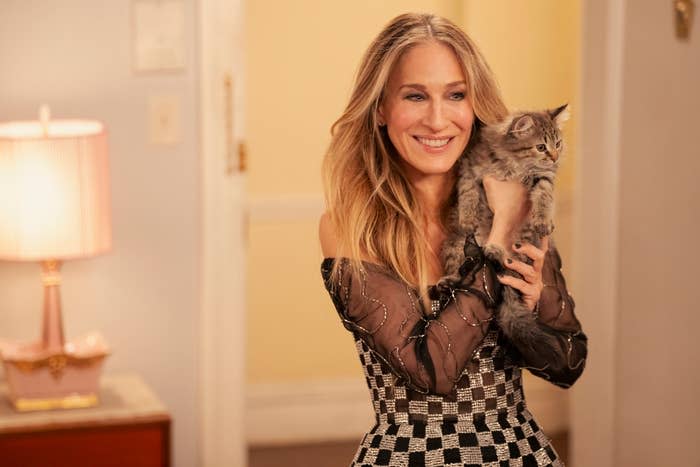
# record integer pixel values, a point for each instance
(484, 422)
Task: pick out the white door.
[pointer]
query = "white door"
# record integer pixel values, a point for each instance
(636, 263)
(220, 47)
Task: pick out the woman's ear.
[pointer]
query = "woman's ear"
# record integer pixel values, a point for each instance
(381, 121)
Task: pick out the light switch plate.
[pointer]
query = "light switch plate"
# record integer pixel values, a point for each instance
(164, 121)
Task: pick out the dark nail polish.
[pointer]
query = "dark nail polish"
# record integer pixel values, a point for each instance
(509, 260)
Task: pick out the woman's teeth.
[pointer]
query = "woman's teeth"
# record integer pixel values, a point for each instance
(433, 143)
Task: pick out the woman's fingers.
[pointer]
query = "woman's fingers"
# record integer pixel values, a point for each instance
(520, 284)
(536, 254)
(530, 286)
(528, 272)
(530, 293)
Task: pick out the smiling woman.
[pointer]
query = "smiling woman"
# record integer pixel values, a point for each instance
(445, 381)
(426, 111)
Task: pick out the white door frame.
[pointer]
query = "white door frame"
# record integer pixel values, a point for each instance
(596, 225)
(223, 306)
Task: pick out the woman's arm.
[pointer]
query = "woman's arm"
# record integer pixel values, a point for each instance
(551, 341)
(429, 350)
(555, 314)
(540, 319)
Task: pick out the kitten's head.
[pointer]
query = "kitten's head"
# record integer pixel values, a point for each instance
(534, 134)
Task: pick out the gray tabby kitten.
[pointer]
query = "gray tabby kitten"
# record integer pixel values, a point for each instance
(526, 146)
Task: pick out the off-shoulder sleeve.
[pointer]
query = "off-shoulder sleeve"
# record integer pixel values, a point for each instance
(556, 318)
(429, 350)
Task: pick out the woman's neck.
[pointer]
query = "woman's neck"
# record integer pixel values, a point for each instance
(432, 192)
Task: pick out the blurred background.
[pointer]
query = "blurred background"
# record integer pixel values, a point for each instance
(212, 291)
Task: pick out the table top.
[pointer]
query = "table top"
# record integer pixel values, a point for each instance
(124, 398)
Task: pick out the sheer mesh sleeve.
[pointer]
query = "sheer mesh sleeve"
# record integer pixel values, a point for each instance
(428, 350)
(555, 314)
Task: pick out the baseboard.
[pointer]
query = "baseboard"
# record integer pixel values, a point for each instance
(308, 411)
(316, 411)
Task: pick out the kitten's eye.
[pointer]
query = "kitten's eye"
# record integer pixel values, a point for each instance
(457, 96)
(414, 97)
(541, 147)
(558, 144)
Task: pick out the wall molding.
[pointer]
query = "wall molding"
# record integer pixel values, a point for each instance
(324, 410)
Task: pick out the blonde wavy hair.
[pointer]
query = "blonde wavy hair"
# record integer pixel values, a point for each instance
(371, 204)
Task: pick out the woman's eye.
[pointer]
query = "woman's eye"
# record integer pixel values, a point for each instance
(457, 96)
(541, 147)
(414, 97)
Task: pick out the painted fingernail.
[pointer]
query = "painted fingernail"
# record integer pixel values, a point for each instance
(509, 260)
(517, 245)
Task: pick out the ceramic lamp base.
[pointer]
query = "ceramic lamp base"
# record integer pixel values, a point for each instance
(41, 380)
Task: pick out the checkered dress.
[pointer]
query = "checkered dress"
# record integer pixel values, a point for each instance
(485, 422)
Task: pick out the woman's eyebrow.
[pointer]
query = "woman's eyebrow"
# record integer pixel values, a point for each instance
(423, 87)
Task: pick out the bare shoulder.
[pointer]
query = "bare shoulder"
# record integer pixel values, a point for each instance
(327, 236)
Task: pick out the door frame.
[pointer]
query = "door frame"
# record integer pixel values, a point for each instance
(596, 229)
(220, 50)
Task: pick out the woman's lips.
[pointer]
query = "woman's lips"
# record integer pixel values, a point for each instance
(434, 145)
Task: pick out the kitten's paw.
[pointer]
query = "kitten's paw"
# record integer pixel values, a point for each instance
(450, 281)
(544, 229)
(495, 253)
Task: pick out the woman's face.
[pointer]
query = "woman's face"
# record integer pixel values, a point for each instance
(426, 110)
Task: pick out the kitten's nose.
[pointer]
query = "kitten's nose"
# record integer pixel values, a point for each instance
(554, 155)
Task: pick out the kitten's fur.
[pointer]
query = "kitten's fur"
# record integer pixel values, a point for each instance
(527, 147)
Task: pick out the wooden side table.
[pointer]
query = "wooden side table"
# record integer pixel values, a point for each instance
(130, 427)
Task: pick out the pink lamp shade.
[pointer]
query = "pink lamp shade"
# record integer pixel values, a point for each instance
(54, 190)
(54, 206)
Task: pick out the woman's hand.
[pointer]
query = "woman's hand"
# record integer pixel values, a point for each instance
(531, 284)
(510, 204)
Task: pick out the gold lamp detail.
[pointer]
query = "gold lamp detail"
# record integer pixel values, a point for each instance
(54, 206)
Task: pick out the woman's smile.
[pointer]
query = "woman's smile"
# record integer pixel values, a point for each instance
(434, 145)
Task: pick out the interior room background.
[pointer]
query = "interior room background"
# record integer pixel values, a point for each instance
(145, 295)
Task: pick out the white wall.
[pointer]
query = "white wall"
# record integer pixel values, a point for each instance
(144, 295)
(636, 256)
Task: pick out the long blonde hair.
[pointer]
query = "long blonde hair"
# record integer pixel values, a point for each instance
(372, 205)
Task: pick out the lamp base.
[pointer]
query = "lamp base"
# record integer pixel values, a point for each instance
(40, 379)
(75, 401)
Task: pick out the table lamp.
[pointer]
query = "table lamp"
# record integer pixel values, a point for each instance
(54, 206)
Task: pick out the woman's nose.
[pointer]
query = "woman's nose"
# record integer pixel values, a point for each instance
(436, 119)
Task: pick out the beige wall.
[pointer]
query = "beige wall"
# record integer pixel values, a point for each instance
(144, 295)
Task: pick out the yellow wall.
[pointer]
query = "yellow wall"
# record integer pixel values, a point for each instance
(301, 61)
(300, 66)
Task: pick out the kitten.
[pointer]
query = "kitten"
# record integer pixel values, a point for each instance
(527, 147)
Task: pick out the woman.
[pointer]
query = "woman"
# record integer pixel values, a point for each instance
(444, 379)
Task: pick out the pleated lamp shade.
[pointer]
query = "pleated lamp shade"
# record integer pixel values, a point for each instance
(54, 190)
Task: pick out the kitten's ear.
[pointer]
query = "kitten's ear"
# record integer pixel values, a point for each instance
(521, 124)
(560, 115)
